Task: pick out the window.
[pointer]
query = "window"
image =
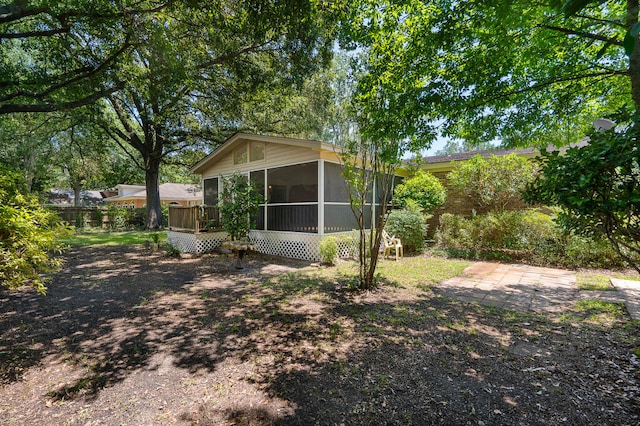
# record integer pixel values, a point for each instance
(335, 187)
(240, 155)
(257, 151)
(252, 151)
(211, 192)
(293, 184)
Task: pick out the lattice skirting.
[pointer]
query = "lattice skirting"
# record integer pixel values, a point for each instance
(196, 243)
(297, 245)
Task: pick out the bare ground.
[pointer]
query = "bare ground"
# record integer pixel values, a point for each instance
(126, 336)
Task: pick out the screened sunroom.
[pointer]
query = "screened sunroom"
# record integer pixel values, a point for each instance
(305, 195)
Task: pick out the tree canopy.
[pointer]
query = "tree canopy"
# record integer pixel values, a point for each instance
(526, 73)
(59, 55)
(597, 187)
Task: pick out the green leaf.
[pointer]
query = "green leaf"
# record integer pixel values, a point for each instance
(630, 38)
(629, 43)
(571, 7)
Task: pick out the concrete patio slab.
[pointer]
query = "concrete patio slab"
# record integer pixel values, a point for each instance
(532, 288)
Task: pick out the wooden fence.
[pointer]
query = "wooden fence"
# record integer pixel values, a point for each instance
(194, 218)
(82, 216)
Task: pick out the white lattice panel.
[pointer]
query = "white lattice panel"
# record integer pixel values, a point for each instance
(196, 243)
(297, 245)
(347, 244)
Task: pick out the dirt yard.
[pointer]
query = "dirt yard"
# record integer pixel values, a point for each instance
(127, 336)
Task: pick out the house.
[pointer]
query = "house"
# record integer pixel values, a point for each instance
(135, 196)
(457, 202)
(306, 195)
(66, 197)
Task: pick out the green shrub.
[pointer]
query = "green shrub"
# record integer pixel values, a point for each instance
(494, 183)
(172, 251)
(529, 236)
(117, 217)
(29, 234)
(408, 225)
(423, 188)
(81, 220)
(328, 250)
(98, 216)
(136, 218)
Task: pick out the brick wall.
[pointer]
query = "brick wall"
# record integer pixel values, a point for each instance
(457, 202)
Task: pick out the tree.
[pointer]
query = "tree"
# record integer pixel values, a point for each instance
(597, 186)
(60, 55)
(172, 100)
(371, 158)
(422, 188)
(494, 183)
(25, 147)
(29, 236)
(368, 166)
(239, 204)
(526, 73)
(80, 151)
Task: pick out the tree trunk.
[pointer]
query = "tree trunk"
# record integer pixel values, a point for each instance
(77, 196)
(634, 59)
(154, 210)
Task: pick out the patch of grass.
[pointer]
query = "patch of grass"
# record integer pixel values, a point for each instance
(593, 281)
(601, 282)
(420, 271)
(599, 311)
(102, 237)
(633, 277)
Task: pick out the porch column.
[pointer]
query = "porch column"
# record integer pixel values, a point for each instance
(320, 197)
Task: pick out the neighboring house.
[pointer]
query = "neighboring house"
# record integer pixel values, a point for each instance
(135, 196)
(66, 198)
(457, 202)
(306, 195)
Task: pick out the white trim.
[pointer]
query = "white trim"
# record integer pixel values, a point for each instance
(321, 197)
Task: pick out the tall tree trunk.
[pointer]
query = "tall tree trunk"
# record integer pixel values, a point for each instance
(154, 209)
(634, 60)
(77, 196)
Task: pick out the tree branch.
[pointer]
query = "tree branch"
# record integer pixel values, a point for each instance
(27, 34)
(581, 34)
(609, 73)
(59, 106)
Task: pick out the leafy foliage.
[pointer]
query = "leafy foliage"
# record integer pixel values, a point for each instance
(59, 55)
(29, 235)
(381, 157)
(423, 188)
(597, 187)
(408, 225)
(239, 204)
(494, 183)
(522, 236)
(328, 250)
(519, 71)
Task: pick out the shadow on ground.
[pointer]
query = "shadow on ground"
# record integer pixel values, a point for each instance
(130, 336)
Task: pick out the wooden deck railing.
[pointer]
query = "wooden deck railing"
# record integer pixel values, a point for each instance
(194, 218)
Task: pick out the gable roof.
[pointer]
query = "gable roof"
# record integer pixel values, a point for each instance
(238, 138)
(168, 191)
